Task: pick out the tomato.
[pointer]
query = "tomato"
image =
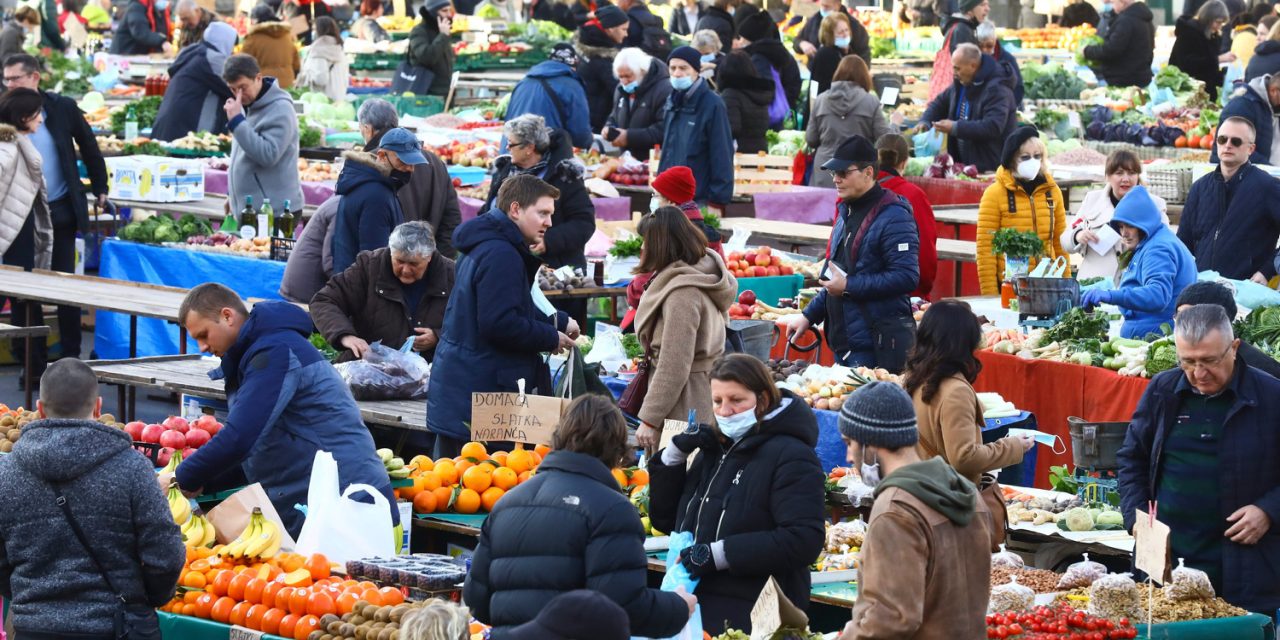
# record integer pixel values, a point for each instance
(1015, 629)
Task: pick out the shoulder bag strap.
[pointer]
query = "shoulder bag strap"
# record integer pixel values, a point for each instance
(61, 501)
(555, 99)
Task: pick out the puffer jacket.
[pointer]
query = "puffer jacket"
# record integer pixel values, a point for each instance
(264, 150)
(286, 402)
(596, 51)
(641, 114)
(598, 544)
(430, 197)
(1095, 211)
(1236, 238)
(846, 109)
(311, 262)
(194, 96)
(682, 318)
(1250, 102)
(979, 138)
(326, 69)
(761, 498)
(23, 194)
(1007, 205)
(367, 301)
(1124, 57)
(1265, 61)
(746, 100)
(696, 134)
(272, 44)
(1161, 267)
(46, 576)
(534, 94)
(369, 210)
(961, 29)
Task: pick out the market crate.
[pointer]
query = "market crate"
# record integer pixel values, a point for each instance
(376, 61)
(281, 248)
(1170, 181)
(771, 289)
(490, 61)
(756, 173)
(1144, 153)
(944, 191)
(417, 106)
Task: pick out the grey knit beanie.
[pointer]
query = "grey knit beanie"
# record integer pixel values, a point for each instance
(879, 414)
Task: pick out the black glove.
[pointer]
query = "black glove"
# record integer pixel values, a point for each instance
(698, 560)
(699, 436)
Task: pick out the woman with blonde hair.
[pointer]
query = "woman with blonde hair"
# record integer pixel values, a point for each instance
(834, 36)
(849, 108)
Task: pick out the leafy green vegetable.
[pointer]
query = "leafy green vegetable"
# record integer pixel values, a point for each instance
(146, 108)
(323, 346)
(882, 47)
(1173, 79)
(1077, 324)
(1162, 355)
(1051, 82)
(711, 219)
(1016, 244)
(626, 248)
(310, 137)
(1261, 328)
(1061, 479)
(631, 344)
(145, 149)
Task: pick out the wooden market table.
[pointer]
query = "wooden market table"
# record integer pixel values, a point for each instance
(10, 332)
(587, 293)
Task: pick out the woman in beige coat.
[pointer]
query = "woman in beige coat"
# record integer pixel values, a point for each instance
(939, 376)
(681, 320)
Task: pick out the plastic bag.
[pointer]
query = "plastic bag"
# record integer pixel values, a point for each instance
(1011, 597)
(387, 374)
(1008, 559)
(607, 349)
(1082, 574)
(843, 537)
(928, 143)
(1189, 584)
(341, 528)
(678, 576)
(1115, 596)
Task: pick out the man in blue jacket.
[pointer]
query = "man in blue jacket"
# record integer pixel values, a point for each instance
(1203, 443)
(1231, 219)
(1256, 102)
(286, 403)
(369, 209)
(977, 112)
(872, 266)
(553, 90)
(696, 130)
(494, 334)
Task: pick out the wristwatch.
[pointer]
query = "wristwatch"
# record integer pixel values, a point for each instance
(700, 555)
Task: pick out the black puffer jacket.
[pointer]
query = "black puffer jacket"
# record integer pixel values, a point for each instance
(719, 21)
(567, 528)
(769, 55)
(1265, 61)
(747, 99)
(643, 113)
(1124, 57)
(1195, 52)
(961, 28)
(597, 51)
(763, 497)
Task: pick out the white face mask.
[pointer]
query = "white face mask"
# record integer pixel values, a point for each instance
(1028, 169)
(870, 473)
(654, 204)
(737, 425)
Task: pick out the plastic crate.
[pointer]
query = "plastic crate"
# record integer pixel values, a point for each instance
(492, 61)
(1046, 297)
(1171, 181)
(771, 289)
(281, 248)
(417, 106)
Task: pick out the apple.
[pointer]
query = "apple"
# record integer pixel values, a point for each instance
(758, 272)
(786, 270)
(773, 271)
(762, 260)
(152, 432)
(747, 297)
(764, 250)
(734, 256)
(134, 429)
(173, 439)
(176, 423)
(163, 458)
(187, 453)
(775, 261)
(197, 437)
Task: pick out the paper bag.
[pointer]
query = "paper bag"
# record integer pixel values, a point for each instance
(340, 527)
(232, 516)
(774, 612)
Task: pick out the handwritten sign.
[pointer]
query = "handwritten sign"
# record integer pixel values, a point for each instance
(1151, 546)
(773, 611)
(514, 417)
(671, 429)
(241, 633)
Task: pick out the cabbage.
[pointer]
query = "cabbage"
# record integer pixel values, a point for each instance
(344, 111)
(1110, 517)
(1079, 519)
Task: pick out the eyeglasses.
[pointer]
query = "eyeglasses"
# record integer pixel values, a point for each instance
(845, 173)
(1235, 142)
(12, 79)
(1207, 363)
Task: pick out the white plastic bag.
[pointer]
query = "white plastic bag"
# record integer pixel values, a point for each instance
(341, 528)
(607, 349)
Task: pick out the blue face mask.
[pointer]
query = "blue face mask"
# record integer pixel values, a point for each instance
(732, 10)
(630, 87)
(162, 4)
(737, 425)
(843, 43)
(824, 13)
(681, 83)
(710, 57)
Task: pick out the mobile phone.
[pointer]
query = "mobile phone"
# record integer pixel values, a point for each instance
(833, 267)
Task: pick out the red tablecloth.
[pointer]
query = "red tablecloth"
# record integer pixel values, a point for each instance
(1054, 391)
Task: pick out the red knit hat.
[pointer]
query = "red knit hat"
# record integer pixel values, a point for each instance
(676, 184)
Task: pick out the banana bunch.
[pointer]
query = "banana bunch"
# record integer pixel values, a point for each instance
(260, 539)
(395, 465)
(198, 532)
(179, 505)
(173, 462)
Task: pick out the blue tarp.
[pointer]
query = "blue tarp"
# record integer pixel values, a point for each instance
(121, 260)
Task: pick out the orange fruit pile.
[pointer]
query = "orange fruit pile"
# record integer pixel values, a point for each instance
(473, 482)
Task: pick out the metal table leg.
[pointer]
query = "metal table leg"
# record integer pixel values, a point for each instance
(26, 365)
(182, 340)
(133, 336)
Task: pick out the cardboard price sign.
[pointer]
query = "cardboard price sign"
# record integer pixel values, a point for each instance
(773, 612)
(514, 417)
(670, 429)
(1151, 546)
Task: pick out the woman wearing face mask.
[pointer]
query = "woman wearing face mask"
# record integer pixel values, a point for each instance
(1157, 267)
(752, 496)
(1023, 197)
(143, 30)
(708, 44)
(1123, 172)
(696, 130)
(1198, 43)
(835, 35)
(639, 103)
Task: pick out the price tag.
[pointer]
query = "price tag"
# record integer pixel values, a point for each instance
(1151, 546)
(1073, 119)
(773, 611)
(241, 633)
(889, 96)
(514, 417)
(670, 429)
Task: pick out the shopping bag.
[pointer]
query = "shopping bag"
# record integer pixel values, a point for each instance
(575, 378)
(410, 78)
(232, 516)
(678, 576)
(943, 75)
(340, 527)
(387, 374)
(929, 143)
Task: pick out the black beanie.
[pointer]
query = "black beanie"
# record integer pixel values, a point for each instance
(610, 16)
(1019, 137)
(756, 27)
(576, 615)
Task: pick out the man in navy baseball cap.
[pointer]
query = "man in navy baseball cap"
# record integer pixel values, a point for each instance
(402, 149)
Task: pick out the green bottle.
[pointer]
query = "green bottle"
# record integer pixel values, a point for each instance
(248, 220)
(266, 218)
(284, 224)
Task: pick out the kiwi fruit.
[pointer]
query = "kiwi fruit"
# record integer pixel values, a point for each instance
(329, 618)
(362, 633)
(382, 615)
(370, 611)
(397, 612)
(358, 620)
(106, 418)
(346, 630)
(332, 627)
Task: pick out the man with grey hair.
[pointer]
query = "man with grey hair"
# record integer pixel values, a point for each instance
(989, 43)
(193, 19)
(976, 112)
(429, 195)
(1203, 446)
(639, 103)
(389, 294)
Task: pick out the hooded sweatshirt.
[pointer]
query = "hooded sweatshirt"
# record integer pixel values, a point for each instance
(1160, 269)
(196, 92)
(1265, 61)
(264, 150)
(844, 110)
(46, 575)
(325, 69)
(567, 109)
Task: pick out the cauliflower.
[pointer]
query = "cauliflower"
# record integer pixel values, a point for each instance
(1162, 355)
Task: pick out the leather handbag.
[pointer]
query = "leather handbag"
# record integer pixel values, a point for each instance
(989, 491)
(633, 396)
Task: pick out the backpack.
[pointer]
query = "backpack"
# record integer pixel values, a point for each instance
(778, 109)
(657, 41)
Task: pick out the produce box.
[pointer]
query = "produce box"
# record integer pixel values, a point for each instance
(1251, 627)
(409, 105)
(155, 179)
(770, 289)
(488, 61)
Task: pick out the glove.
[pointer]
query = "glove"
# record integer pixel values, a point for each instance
(698, 560)
(691, 440)
(1094, 297)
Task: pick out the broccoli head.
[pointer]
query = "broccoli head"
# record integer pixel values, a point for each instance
(1162, 355)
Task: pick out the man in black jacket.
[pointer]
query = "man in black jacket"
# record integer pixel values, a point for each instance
(1124, 57)
(807, 41)
(63, 132)
(1206, 292)
(639, 15)
(719, 18)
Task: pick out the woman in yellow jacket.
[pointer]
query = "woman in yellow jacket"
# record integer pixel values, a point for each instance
(1023, 197)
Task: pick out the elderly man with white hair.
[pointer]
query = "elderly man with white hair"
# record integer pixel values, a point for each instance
(639, 102)
(989, 43)
(1203, 446)
(193, 19)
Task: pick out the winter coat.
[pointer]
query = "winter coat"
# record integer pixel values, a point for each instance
(769, 56)
(719, 21)
(596, 51)
(883, 268)
(46, 576)
(747, 100)
(11, 39)
(961, 29)
(598, 544)
(1095, 212)
(682, 319)
(761, 497)
(859, 39)
(696, 134)
(680, 24)
(926, 225)
(1249, 472)
(432, 50)
(1006, 205)
(493, 334)
(368, 211)
(1124, 57)
(823, 65)
(23, 194)
(325, 70)
(310, 263)
(1251, 103)
(979, 138)
(574, 220)
(74, 139)
(923, 575)
(367, 301)
(1078, 13)
(196, 34)
(1161, 267)
(429, 196)
(1196, 54)
(951, 427)
(845, 110)
(1265, 61)
(555, 11)
(195, 92)
(134, 35)
(1010, 66)
(641, 114)
(571, 114)
(1236, 239)
(286, 402)
(640, 17)
(272, 44)
(264, 150)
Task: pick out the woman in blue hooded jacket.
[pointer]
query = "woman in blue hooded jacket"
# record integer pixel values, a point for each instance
(1159, 267)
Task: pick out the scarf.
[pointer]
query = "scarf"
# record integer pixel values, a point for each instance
(149, 5)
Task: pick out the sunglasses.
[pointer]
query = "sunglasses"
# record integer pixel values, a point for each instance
(845, 173)
(1235, 142)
